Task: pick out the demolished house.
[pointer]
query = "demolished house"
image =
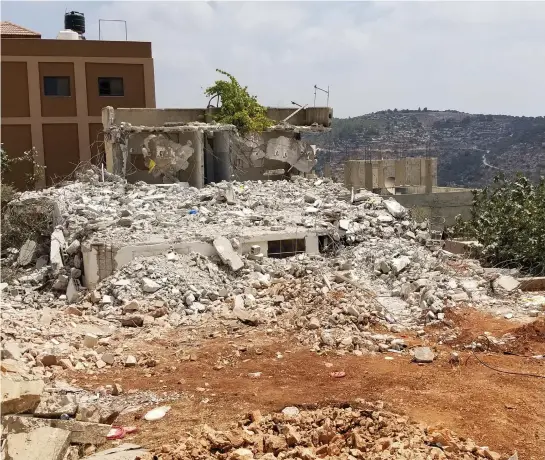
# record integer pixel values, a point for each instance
(186, 145)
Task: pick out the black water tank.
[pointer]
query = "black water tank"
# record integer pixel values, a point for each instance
(74, 21)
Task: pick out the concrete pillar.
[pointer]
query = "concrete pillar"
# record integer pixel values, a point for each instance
(368, 175)
(197, 177)
(222, 157)
(428, 179)
(401, 171)
(380, 175)
(312, 244)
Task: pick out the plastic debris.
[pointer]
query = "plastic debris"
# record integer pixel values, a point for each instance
(156, 414)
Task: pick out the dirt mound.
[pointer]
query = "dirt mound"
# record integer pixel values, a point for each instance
(364, 431)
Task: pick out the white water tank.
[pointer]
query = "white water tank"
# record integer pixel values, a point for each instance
(67, 35)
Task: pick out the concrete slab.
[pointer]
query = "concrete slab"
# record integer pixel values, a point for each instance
(20, 396)
(43, 443)
(228, 254)
(536, 283)
(123, 452)
(55, 405)
(507, 283)
(80, 432)
(26, 253)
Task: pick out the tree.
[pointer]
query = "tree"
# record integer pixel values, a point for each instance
(508, 219)
(238, 107)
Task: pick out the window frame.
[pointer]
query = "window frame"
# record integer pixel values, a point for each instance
(57, 77)
(110, 79)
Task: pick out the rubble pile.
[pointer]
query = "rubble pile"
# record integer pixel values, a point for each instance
(365, 431)
(378, 269)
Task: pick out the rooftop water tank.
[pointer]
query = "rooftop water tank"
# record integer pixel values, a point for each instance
(75, 21)
(68, 35)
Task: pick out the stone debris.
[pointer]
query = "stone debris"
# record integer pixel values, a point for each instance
(507, 283)
(26, 253)
(423, 355)
(20, 396)
(56, 405)
(374, 269)
(125, 451)
(44, 443)
(80, 432)
(365, 431)
(227, 254)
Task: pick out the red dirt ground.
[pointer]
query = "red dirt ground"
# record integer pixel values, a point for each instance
(504, 412)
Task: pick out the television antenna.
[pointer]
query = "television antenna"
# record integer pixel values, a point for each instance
(316, 89)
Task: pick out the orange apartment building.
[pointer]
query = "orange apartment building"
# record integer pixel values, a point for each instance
(53, 92)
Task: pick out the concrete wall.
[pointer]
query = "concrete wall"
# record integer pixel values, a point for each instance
(438, 206)
(102, 259)
(390, 173)
(25, 63)
(158, 117)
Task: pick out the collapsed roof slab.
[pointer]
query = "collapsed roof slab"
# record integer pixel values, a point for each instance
(310, 116)
(102, 259)
(194, 149)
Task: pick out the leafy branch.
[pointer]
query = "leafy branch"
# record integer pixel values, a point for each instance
(508, 219)
(238, 107)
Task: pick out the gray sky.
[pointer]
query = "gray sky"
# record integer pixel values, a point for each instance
(480, 57)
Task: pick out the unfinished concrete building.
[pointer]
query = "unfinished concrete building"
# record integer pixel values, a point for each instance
(186, 145)
(413, 183)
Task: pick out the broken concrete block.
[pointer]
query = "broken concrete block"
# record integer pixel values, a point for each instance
(73, 247)
(42, 261)
(90, 341)
(48, 359)
(507, 283)
(61, 283)
(460, 297)
(20, 397)
(227, 253)
(124, 222)
(132, 321)
(55, 405)
(95, 296)
(423, 355)
(80, 432)
(72, 293)
(131, 307)
(399, 264)
(72, 310)
(97, 414)
(123, 452)
(57, 244)
(314, 323)
(44, 443)
(11, 350)
(149, 285)
(245, 317)
(394, 208)
(108, 358)
(26, 253)
(130, 361)
(65, 363)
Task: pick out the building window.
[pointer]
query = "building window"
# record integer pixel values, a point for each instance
(110, 86)
(57, 86)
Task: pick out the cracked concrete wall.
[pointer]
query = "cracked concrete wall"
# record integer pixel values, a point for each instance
(178, 157)
(164, 156)
(257, 157)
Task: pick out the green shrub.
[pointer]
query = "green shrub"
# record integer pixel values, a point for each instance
(508, 219)
(238, 107)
